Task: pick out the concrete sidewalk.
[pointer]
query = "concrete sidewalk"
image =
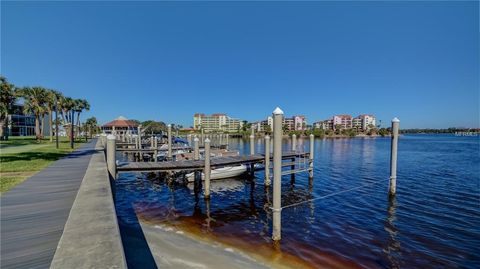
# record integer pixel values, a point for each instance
(34, 213)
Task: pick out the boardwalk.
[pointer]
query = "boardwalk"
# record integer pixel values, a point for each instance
(34, 213)
(200, 164)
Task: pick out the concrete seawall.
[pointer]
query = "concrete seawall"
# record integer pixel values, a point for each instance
(91, 238)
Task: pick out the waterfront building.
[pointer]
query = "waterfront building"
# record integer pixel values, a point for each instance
(324, 125)
(368, 121)
(294, 123)
(289, 124)
(342, 121)
(362, 122)
(300, 123)
(264, 125)
(21, 124)
(357, 123)
(216, 122)
(120, 125)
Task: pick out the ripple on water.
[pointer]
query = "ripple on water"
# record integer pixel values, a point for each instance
(433, 222)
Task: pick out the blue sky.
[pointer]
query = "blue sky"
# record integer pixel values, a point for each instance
(418, 61)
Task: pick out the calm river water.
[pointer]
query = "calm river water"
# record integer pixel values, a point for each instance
(434, 221)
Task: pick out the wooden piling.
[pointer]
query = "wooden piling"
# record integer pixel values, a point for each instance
(226, 143)
(155, 151)
(169, 134)
(207, 169)
(277, 173)
(267, 160)
(311, 156)
(294, 142)
(252, 144)
(111, 159)
(393, 157)
(196, 149)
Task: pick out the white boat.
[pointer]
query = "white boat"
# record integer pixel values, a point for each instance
(228, 184)
(224, 172)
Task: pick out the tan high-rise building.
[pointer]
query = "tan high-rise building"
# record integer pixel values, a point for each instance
(216, 123)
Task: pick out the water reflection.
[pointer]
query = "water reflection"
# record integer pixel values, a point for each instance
(392, 246)
(344, 230)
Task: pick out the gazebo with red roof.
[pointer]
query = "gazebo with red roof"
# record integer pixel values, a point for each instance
(120, 125)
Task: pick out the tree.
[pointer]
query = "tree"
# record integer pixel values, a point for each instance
(67, 105)
(156, 127)
(91, 126)
(79, 106)
(52, 96)
(35, 103)
(245, 126)
(383, 131)
(7, 99)
(268, 129)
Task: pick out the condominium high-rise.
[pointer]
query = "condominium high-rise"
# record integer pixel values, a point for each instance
(362, 122)
(294, 123)
(342, 121)
(216, 122)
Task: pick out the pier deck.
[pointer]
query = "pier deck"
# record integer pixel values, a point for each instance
(200, 164)
(34, 212)
(149, 149)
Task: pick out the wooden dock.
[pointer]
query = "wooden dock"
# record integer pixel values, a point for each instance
(149, 149)
(200, 164)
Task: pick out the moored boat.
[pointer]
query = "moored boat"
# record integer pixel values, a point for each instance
(219, 173)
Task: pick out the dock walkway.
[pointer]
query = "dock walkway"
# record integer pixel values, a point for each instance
(200, 164)
(34, 213)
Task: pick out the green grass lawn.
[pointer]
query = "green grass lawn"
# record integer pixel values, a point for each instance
(21, 157)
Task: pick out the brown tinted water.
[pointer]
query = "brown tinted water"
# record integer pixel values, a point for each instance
(433, 222)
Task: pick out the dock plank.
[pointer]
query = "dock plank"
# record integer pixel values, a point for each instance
(199, 164)
(34, 213)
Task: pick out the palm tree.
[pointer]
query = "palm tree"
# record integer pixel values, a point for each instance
(67, 105)
(35, 103)
(7, 99)
(52, 97)
(79, 106)
(91, 125)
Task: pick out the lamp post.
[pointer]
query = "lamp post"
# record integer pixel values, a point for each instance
(71, 128)
(56, 121)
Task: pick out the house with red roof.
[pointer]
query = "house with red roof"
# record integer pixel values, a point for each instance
(120, 125)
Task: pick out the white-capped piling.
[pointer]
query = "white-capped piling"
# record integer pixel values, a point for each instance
(277, 173)
(267, 160)
(252, 144)
(111, 161)
(226, 143)
(294, 142)
(169, 142)
(103, 139)
(155, 149)
(139, 137)
(151, 142)
(393, 157)
(207, 169)
(311, 156)
(196, 148)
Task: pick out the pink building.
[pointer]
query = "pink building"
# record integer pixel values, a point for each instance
(300, 123)
(342, 121)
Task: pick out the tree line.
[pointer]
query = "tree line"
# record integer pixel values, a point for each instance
(40, 102)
